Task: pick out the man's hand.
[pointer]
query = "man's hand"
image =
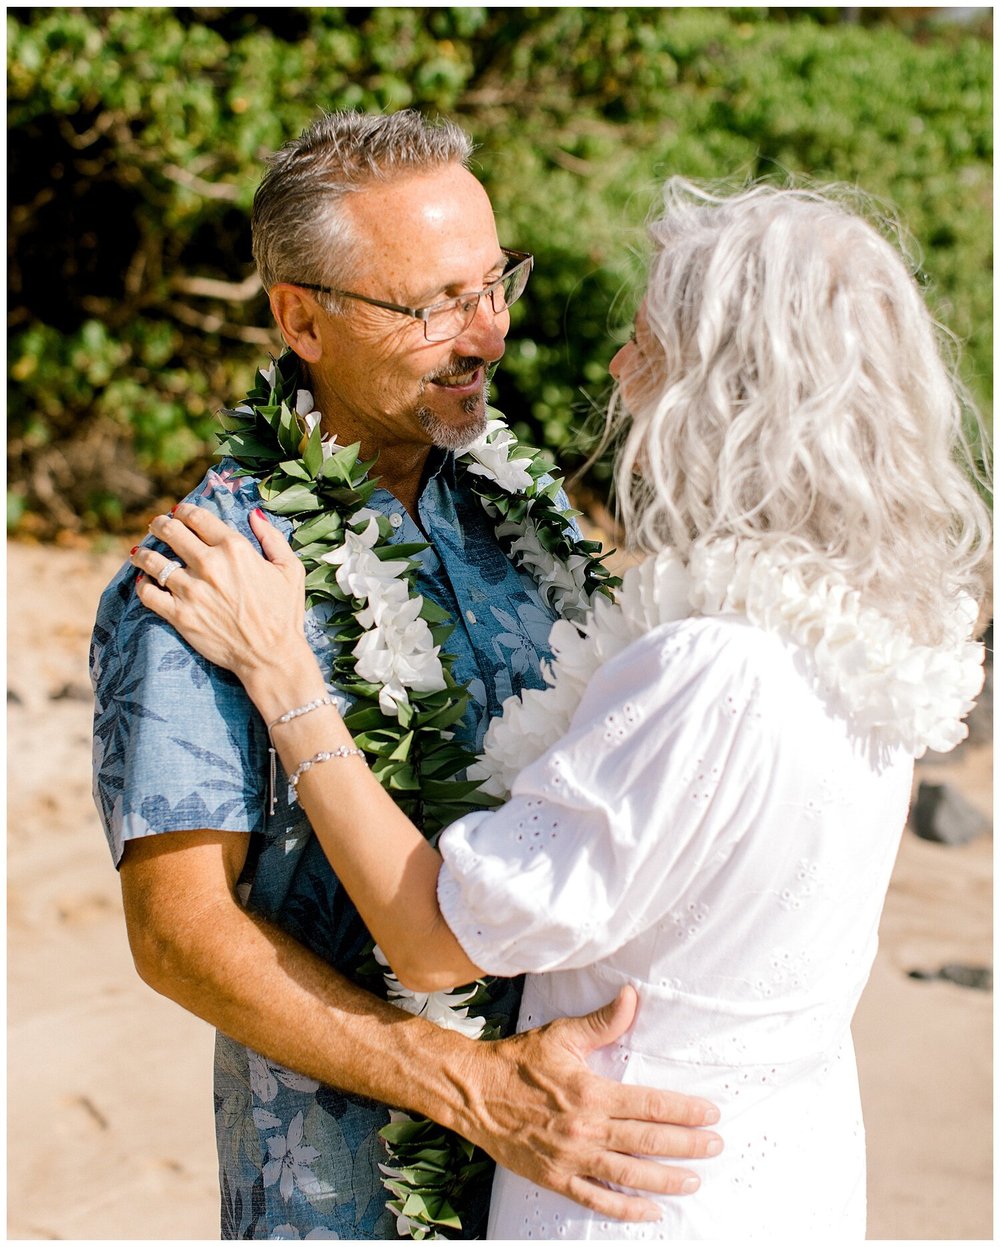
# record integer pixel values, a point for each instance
(538, 1110)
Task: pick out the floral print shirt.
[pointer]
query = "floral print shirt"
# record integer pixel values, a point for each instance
(179, 746)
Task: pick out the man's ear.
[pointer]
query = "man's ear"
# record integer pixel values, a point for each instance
(297, 314)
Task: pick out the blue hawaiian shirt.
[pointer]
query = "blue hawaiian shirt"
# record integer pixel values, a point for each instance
(178, 746)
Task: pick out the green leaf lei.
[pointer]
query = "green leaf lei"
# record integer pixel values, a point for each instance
(412, 752)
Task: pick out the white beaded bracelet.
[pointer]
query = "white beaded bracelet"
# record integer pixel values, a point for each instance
(342, 751)
(289, 715)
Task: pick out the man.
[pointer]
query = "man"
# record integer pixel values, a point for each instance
(366, 231)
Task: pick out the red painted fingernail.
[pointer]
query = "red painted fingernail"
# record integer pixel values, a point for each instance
(174, 507)
(260, 514)
(133, 550)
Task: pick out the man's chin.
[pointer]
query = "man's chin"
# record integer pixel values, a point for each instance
(455, 435)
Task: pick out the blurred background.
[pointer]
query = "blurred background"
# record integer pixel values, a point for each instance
(135, 142)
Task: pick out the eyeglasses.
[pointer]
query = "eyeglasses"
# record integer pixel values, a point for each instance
(446, 320)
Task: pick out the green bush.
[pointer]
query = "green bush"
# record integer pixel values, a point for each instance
(136, 138)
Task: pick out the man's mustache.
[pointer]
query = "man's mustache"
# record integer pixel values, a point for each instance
(458, 369)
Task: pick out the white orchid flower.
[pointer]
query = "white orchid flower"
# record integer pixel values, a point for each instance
(398, 652)
(308, 418)
(491, 455)
(358, 565)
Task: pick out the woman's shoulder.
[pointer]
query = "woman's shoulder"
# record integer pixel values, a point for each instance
(696, 666)
(722, 646)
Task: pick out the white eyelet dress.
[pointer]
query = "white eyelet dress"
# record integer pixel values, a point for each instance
(713, 830)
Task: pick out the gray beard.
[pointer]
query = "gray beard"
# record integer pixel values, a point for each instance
(451, 436)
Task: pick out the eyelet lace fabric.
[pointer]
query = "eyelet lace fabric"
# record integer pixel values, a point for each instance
(896, 690)
(706, 803)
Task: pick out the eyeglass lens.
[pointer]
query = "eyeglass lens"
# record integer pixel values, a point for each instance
(448, 322)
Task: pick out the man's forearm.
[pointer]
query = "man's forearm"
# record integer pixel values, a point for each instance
(257, 984)
(530, 1101)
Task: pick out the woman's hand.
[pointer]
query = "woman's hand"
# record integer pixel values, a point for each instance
(238, 610)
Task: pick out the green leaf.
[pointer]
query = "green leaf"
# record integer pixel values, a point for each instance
(450, 790)
(402, 749)
(320, 528)
(312, 455)
(295, 469)
(402, 549)
(362, 718)
(340, 465)
(289, 433)
(433, 613)
(323, 575)
(240, 445)
(294, 500)
(446, 717)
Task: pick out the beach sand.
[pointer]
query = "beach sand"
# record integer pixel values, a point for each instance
(110, 1127)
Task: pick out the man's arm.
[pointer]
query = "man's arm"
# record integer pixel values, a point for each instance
(529, 1101)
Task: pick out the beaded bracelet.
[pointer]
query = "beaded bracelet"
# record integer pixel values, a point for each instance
(342, 751)
(289, 715)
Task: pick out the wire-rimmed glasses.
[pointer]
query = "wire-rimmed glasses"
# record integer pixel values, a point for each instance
(447, 319)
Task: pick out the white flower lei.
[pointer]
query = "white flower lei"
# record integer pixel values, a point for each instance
(907, 695)
(389, 641)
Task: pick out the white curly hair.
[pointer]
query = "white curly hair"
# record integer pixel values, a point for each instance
(789, 388)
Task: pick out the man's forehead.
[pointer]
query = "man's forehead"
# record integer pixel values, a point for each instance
(426, 234)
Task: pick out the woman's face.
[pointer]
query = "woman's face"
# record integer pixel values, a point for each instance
(631, 366)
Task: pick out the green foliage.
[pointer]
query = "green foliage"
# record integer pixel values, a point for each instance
(136, 138)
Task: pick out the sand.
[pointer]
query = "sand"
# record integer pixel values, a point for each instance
(110, 1129)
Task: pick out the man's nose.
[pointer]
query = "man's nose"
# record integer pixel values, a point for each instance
(485, 333)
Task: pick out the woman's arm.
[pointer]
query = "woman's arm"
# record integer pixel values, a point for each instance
(388, 868)
(255, 629)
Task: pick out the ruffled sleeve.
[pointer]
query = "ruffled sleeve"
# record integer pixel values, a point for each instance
(659, 775)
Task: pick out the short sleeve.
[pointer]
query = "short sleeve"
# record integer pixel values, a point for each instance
(178, 746)
(658, 777)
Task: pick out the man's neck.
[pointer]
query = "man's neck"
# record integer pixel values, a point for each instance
(400, 469)
(400, 464)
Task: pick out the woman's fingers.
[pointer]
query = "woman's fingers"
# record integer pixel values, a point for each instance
(197, 536)
(159, 601)
(273, 542)
(239, 610)
(192, 532)
(205, 525)
(160, 569)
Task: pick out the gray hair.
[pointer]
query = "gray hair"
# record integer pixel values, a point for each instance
(299, 232)
(797, 397)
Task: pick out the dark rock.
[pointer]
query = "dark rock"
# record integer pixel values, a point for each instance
(979, 978)
(73, 691)
(940, 813)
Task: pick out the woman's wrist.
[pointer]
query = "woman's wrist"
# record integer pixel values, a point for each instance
(284, 682)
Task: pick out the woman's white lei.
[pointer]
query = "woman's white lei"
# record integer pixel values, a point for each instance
(389, 660)
(905, 694)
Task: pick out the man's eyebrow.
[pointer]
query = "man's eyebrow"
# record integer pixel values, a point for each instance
(496, 267)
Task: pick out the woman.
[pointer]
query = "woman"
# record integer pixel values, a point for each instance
(707, 802)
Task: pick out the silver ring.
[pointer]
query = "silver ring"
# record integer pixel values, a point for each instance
(166, 571)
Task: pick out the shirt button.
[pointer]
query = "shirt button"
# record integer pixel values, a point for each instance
(395, 519)
(470, 617)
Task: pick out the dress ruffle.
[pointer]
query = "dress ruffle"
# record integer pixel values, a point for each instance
(901, 693)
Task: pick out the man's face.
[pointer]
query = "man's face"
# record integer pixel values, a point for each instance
(423, 239)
